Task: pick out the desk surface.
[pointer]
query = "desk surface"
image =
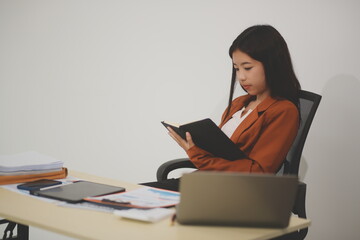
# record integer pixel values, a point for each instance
(88, 224)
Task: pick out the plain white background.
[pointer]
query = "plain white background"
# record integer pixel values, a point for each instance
(88, 82)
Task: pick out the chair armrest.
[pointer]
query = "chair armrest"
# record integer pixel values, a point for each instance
(165, 168)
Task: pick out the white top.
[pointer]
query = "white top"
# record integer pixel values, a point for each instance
(231, 125)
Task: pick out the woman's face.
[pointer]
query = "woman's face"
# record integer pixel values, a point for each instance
(251, 74)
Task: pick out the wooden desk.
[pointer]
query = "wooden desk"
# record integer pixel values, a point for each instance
(88, 224)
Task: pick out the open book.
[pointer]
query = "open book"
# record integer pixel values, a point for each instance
(208, 136)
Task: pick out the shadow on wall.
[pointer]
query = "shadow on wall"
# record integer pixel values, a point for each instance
(339, 119)
(339, 116)
(303, 167)
(334, 165)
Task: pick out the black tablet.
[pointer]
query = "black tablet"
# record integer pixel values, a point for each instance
(77, 191)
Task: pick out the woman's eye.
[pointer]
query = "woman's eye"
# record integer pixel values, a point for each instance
(248, 68)
(236, 69)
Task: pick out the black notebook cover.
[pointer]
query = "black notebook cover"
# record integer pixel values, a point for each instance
(208, 136)
(77, 191)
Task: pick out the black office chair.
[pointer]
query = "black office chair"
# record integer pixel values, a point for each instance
(309, 103)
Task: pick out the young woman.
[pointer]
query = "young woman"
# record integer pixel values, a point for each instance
(264, 122)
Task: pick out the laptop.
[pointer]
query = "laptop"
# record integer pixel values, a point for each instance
(236, 199)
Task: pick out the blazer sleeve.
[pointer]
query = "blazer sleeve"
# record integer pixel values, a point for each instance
(278, 131)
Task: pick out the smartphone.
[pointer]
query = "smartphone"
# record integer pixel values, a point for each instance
(36, 185)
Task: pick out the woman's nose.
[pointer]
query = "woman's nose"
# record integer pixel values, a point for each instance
(241, 76)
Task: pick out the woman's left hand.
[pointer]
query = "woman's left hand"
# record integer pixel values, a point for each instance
(185, 144)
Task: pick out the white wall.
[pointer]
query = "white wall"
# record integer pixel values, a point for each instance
(88, 82)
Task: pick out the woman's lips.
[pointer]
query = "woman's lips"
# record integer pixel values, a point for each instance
(246, 86)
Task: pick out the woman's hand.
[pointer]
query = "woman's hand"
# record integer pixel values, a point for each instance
(185, 144)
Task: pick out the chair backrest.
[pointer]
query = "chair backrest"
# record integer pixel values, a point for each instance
(309, 103)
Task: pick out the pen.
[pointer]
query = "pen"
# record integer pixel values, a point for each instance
(117, 202)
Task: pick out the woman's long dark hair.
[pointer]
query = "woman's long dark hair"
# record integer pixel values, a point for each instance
(265, 44)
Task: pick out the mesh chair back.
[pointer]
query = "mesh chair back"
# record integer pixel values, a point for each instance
(309, 103)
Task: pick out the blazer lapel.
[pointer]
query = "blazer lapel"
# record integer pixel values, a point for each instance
(245, 124)
(235, 107)
(252, 117)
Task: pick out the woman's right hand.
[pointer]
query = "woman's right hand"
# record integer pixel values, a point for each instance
(184, 144)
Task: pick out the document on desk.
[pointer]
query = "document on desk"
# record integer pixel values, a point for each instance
(146, 215)
(145, 197)
(144, 204)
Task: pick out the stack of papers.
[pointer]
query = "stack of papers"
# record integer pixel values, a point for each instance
(28, 163)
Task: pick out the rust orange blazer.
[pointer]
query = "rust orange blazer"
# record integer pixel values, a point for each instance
(265, 135)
